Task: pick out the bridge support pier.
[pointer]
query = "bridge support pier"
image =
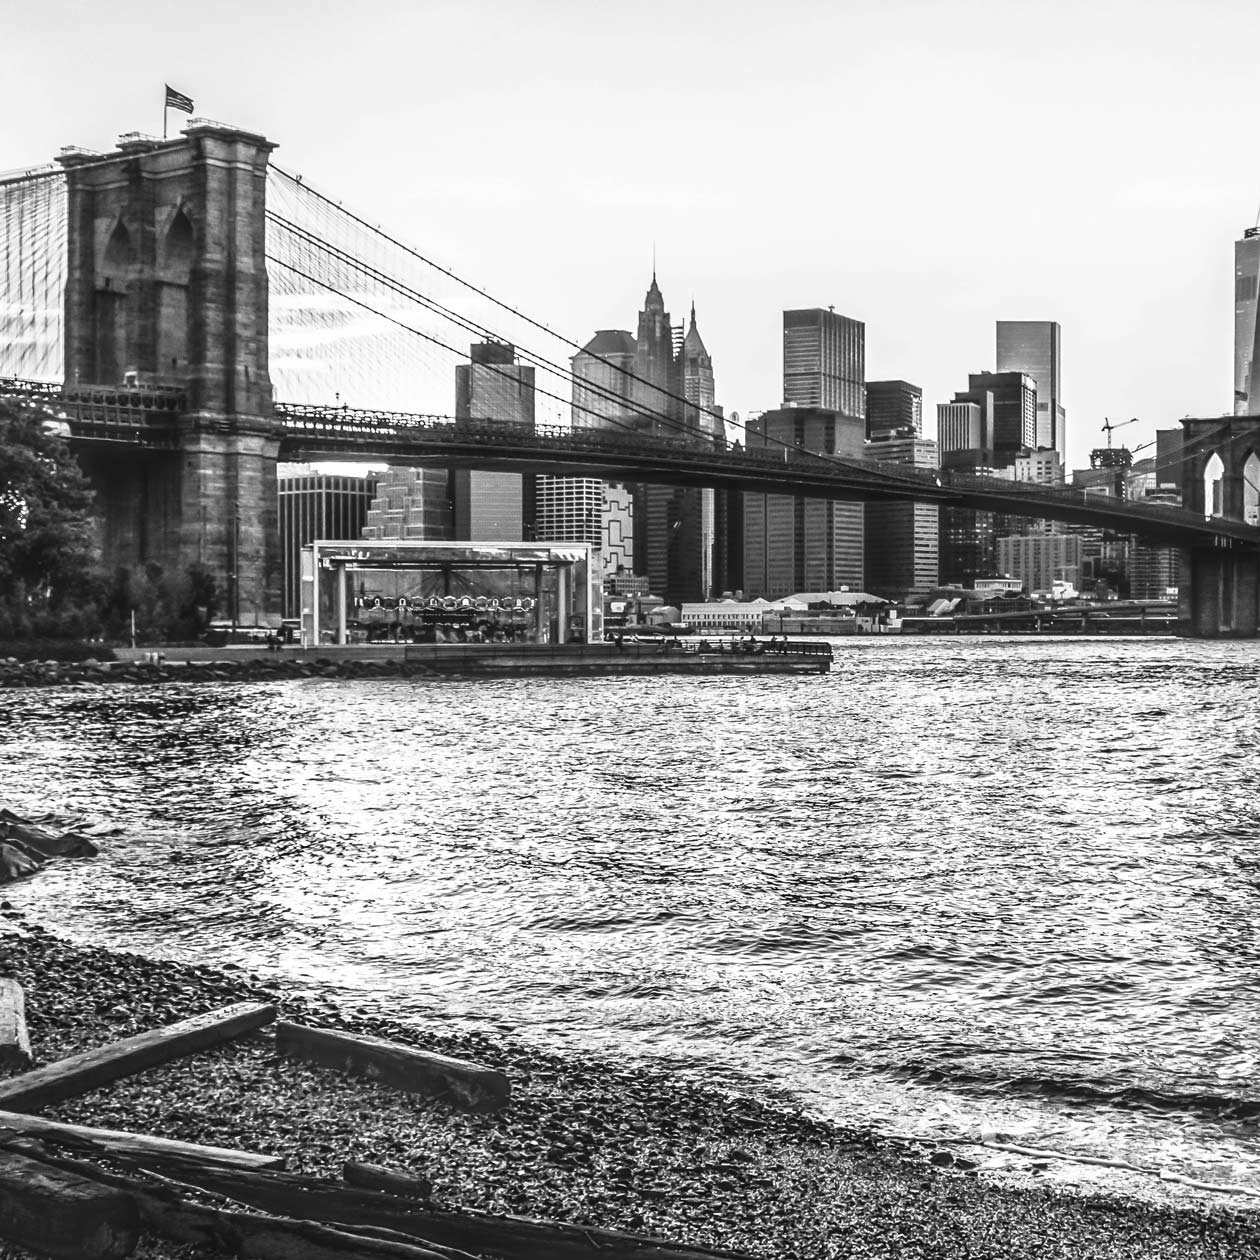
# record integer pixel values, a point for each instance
(1220, 593)
(166, 299)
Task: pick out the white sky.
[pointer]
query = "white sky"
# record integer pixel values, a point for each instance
(926, 166)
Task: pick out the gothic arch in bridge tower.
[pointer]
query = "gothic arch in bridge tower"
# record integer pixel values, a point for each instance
(1251, 488)
(1214, 486)
(110, 306)
(174, 276)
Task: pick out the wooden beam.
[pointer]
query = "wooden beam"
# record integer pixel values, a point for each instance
(15, 1045)
(163, 1211)
(57, 1213)
(402, 1067)
(136, 1145)
(80, 1073)
(374, 1177)
(510, 1237)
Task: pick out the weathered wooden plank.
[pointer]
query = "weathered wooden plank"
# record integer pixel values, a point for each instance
(80, 1073)
(137, 1145)
(15, 1045)
(511, 1237)
(57, 1213)
(374, 1177)
(163, 1211)
(402, 1067)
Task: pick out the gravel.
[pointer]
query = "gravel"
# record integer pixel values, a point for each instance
(583, 1140)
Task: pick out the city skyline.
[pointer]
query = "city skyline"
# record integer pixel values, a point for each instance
(563, 226)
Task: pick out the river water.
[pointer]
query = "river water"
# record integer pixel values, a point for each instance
(956, 886)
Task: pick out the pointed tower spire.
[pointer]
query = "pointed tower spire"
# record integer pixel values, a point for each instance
(693, 312)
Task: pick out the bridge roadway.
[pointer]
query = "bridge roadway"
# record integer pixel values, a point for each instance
(154, 417)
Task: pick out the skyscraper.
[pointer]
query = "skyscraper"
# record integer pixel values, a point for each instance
(824, 361)
(493, 387)
(902, 539)
(603, 375)
(1014, 411)
(793, 543)
(966, 425)
(316, 505)
(658, 381)
(411, 504)
(1033, 347)
(1246, 326)
(703, 415)
(893, 409)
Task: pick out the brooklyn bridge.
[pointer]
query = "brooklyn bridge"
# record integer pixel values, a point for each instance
(148, 295)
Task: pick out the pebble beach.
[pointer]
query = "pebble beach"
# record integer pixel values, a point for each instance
(581, 1141)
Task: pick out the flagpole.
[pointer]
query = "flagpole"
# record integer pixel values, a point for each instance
(166, 111)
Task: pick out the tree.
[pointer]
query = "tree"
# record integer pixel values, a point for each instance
(47, 553)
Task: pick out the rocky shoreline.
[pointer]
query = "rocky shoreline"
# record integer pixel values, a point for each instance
(18, 674)
(582, 1141)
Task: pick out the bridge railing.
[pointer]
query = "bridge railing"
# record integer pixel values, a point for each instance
(933, 484)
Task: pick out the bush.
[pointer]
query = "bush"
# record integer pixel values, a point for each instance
(66, 650)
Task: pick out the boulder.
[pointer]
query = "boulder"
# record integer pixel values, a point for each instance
(15, 864)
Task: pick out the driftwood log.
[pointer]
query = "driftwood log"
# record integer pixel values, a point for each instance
(60, 1213)
(402, 1067)
(15, 1044)
(80, 1073)
(163, 1209)
(109, 1142)
(511, 1237)
(301, 1204)
(374, 1177)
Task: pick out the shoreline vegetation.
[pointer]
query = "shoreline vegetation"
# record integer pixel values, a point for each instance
(581, 1141)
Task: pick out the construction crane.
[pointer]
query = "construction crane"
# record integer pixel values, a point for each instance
(1107, 427)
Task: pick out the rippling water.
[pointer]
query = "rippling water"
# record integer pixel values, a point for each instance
(953, 885)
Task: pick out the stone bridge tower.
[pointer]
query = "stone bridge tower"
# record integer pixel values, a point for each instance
(166, 299)
(1220, 470)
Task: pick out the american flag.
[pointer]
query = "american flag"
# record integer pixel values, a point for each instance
(177, 100)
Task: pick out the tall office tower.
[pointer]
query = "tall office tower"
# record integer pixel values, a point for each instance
(824, 361)
(569, 509)
(703, 419)
(1246, 325)
(796, 544)
(411, 503)
(603, 376)
(902, 539)
(1034, 348)
(673, 535)
(728, 542)
(618, 526)
(493, 388)
(966, 426)
(968, 543)
(313, 505)
(656, 389)
(1170, 459)
(893, 409)
(658, 382)
(697, 383)
(1014, 411)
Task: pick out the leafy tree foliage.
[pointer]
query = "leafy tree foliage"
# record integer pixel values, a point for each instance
(167, 608)
(47, 584)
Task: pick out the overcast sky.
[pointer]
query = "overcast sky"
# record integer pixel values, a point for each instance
(925, 167)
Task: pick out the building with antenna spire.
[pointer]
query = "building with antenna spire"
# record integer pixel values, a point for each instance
(657, 381)
(1246, 326)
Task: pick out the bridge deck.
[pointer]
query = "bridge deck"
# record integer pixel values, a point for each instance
(154, 418)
